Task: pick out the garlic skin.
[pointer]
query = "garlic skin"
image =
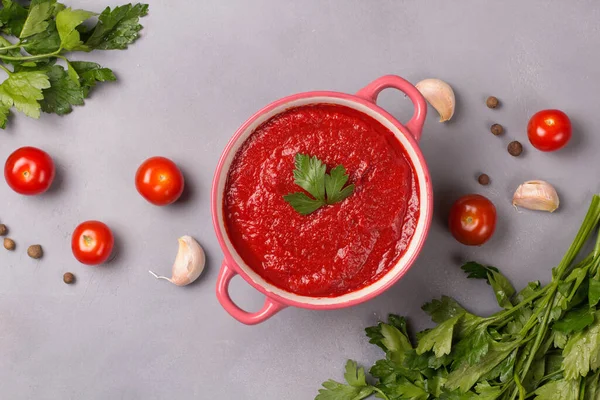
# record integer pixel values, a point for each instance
(536, 195)
(188, 264)
(440, 95)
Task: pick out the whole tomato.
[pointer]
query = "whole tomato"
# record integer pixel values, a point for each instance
(29, 171)
(159, 181)
(92, 243)
(549, 130)
(472, 220)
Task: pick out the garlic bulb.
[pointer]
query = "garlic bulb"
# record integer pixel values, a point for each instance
(536, 195)
(189, 262)
(440, 95)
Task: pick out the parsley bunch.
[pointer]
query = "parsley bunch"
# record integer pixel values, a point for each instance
(544, 344)
(36, 36)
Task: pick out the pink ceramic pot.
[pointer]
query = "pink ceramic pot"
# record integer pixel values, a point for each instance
(365, 102)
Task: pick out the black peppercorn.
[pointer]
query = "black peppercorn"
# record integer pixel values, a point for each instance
(497, 129)
(483, 179)
(515, 148)
(492, 102)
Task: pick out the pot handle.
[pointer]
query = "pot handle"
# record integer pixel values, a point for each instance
(269, 309)
(372, 90)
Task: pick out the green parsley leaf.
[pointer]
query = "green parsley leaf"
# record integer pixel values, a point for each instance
(474, 270)
(62, 94)
(439, 339)
(594, 290)
(559, 339)
(117, 28)
(443, 309)
(504, 370)
(302, 203)
(465, 376)
(90, 74)
(473, 347)
(405, 389)
(12, 17)
(44, 42)
(575, 320)
(310, 174)
(503, 289)
(592, 387)
(334, 185)
(435, 384)
(37, 18)
(390, 337)
(66, 22)
(487, 391)
(355, 376)
(582, 352)
(560, 389)
(23, 90)
(356, 389)
(4, 112)
(388, 370)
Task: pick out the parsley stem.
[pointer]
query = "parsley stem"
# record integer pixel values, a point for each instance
(8, 71)
(516, 308)
(519, 385)
(14, 46)
(26, 58)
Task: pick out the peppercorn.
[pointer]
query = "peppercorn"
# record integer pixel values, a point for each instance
(497, 129)
(515, 148)
(35, 251)
(492, 102)
(9, 244)
(3, 230)
(68, 278)
(484, 179)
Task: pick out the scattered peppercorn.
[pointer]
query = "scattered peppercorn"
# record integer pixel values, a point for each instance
(515, 148)
(492, 102)
(497, 129)
(484, 179)
(9, 244)
(68, 278)
(3, 230)
(35, 251)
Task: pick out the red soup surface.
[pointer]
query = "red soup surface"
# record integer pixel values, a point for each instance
(339, 248)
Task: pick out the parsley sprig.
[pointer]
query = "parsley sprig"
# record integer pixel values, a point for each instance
(311, 175)
(45, 31)
(544, 344)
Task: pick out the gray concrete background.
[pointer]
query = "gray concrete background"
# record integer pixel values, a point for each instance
(200, 70)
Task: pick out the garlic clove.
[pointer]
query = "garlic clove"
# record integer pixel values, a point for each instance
(536, 195)
(440, 95)
(188, 264)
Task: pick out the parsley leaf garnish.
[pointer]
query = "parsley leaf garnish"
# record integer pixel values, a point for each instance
(45, 32)
(311, 175)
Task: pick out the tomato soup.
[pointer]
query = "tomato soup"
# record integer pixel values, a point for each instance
(339, 248)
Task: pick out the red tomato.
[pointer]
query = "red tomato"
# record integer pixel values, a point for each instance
(92, 243)
(472, 220)
(549, 130)
(29, 171)
(159, 181)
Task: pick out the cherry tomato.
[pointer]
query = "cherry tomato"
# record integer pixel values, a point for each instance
(92, 243)
(472, 220)
(159, 181)
(29, 171)
(549, 130)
